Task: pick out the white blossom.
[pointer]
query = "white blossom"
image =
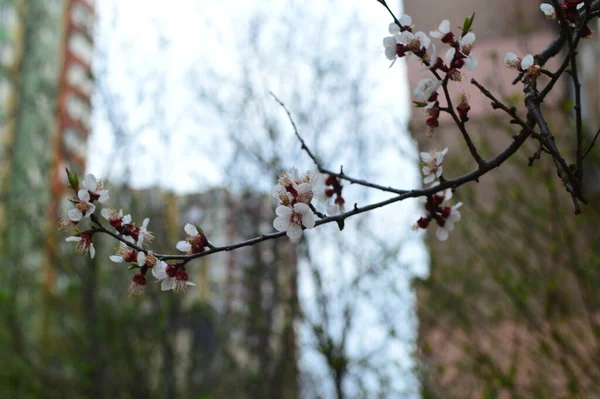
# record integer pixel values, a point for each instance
(146, 259)
(144, 234)
(96, 188)
(292, 187)
(450, 54)
(466, 45)
(512, 61)
(527, 62)
(394, 29)
(83, 208)
(441, 30)
(548, 10)
(170, 278)
(389, 43)
(432, 168)
(443, 232)
(425, 88)
(84, 244)
(123, 254)
(196, 242)
(414, 41)
(405, 20)
(291, 219)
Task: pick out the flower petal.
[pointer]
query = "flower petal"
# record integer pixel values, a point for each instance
(141, 258)
(92, 251)
(441, 234)
(526, 62)
(103, 196)
(75, 214)
(426, 157)
(390, 53)
(183, 246)
(390, 42)
(191, 230)
(294, 232)
(301, 208)
(281, 223)
(308, 220)
(83, 195)
(73, 239)
(90, 210)
(160, 271)
(429, 179)
(548, 10)
(105, 212)
(447, 194)
(167, 284)
(468, 39)
(405, 20)
(90, 182)
(116, 258)
(444, 26)
(471, 63)
(283, 211)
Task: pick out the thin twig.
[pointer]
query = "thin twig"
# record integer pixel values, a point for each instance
(304, 146)
(320, 167)
(459, 123)
(591, 144)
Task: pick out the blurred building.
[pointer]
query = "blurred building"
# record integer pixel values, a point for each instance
(507, 311)
(45, 88)
(247, 337)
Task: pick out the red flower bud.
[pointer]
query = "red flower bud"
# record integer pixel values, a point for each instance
(446, 212)
(448, 38)
(171, 270)
(93, 196)
(139, 279)
(131, 256)
(440, 221)
(433, 122)
(181, 275)
(423, 222)
(400, 50)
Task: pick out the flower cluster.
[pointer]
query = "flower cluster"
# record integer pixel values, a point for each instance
(126, 227)
(404, 42)
(294, 194)
(132, 238)
(87, 195)
(444, 216)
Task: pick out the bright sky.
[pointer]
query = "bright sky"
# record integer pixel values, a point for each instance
(147, 53)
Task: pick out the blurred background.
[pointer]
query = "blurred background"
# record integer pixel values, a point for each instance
(170, 105)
